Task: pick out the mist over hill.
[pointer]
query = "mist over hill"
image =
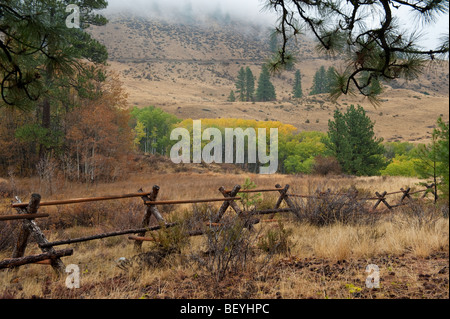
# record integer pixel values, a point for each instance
(196, 11)
(214, 38)
(187, 64)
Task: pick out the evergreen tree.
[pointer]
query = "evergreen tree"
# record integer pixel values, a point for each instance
(240, 85)
(330, 80)
(374, 86)
(442, 155)
(324, 80)
(273, 43)
(298, 93)
(41, 56)
(434, 159)
(232, 97)
(37, 46)
(352, 141)
(249, 84)
(319, 82)
(265, 90)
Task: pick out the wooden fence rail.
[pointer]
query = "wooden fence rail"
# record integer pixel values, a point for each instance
(105, 235)
(15, 262)
(81, 200)
(380, 198)
(28, 212)
(189, 201)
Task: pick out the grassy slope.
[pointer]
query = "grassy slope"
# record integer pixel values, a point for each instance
(189, 71)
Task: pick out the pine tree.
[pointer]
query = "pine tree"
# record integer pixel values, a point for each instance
(249, 84)
(273, 42)
(37, 47)
(298, 93)
(374, 86)
(330, 79)
(266, 90)
(319, 82)
(232, 97)
(240, 85)
(442, 154)
(434, 159)
(352, 141)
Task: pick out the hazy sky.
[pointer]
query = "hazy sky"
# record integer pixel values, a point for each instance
(251, 10)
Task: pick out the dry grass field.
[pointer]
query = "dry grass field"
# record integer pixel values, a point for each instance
(410, 245)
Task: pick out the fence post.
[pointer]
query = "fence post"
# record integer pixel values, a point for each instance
(24, 232)
(30, 227)
(405, 194)
(149, 211)
(288, 201)
(280, 199)
(382, 198)
(227, 203)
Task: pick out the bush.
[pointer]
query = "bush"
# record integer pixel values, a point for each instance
(401, 166)
(422, 214)
(326, 166)
(295, 165)
(172, 239)
(249, 200)
(227, 248)
(327, 208)
(277, 241)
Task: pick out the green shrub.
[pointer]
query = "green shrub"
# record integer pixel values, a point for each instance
(401, 166)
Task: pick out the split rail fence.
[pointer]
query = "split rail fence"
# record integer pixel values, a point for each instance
(27, 213)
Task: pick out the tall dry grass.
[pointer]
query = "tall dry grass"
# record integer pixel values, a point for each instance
(417, 230)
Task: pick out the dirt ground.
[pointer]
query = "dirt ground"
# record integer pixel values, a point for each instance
(401, 277)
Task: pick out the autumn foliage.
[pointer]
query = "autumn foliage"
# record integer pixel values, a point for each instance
(89, 139)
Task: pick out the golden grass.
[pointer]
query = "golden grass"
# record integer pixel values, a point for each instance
(198, 185)
(400, 233)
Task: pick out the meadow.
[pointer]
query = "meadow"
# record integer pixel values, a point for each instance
(290, 258)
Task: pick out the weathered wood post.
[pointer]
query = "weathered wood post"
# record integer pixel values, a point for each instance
(382, 199)
(248, 220)
(30, 227)
(287, 200)
(15, 262)
(24, 231)
(227, 203)
(149, 211)
(405, 194)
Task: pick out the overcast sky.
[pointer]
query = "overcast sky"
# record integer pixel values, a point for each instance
(252, 10)
(238, 8)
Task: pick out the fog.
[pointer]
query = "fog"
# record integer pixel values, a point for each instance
(252, 11)
(196, 10)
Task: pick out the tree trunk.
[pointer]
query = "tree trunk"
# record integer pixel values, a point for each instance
(46, 123)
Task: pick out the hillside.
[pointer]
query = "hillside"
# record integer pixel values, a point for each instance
(190, 69)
